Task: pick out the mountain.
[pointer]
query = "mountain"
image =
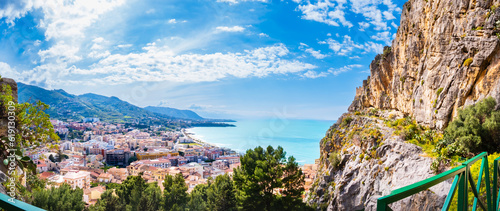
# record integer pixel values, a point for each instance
(182, 114)
(66, 106)
(445, 56)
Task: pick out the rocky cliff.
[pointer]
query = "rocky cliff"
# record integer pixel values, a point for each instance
(445, 56)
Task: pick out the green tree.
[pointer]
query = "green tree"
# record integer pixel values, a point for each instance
(63, 198)
(174, 195)
(221, 194)
(261, 176)
(198, 198)
(60, 155)
(475, 129)
(51, 158)
(130, 191)
(151, 198)
(132, 159)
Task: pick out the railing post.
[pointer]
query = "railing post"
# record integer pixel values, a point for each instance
(488, 186)
(462, 191)
(381, 205)
(495, 184)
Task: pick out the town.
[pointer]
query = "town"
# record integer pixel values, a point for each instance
(93, 154)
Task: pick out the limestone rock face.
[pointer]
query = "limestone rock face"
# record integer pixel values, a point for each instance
(373, 162)
(445, 55)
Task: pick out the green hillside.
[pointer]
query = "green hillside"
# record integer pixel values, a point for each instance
(183, 114)
(66, 106)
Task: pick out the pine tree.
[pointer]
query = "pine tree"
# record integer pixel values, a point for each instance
(221, 194)
(267, 181)
(175, 195)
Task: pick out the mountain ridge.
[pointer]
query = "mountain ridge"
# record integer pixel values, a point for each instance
(66, 106)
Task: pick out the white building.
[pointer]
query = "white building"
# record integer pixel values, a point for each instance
(77, 178)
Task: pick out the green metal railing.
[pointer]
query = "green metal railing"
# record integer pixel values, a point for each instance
(462, 180)
(17, 205)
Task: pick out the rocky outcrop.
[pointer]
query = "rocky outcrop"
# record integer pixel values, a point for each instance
(371, 162)
(445, 55)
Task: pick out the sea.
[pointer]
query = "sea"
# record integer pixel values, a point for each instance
(299, 138)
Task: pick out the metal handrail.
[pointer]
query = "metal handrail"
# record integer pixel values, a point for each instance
(462, 179)
(17, 205)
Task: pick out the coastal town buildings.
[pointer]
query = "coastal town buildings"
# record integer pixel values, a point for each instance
(106, 153)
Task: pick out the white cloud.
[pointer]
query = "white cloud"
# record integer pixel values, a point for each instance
(316, 54)
(347, 46)
(325, 12)
(37, 42)
(160, 64)
(383, 36)
(65, 24)
(354, 57)
(388, 15)
(7, 71)
(99, 55)
(263, 35)
(69, 20)
(339, 15)
(60, 53)
(172, 20)
(238, 1)
(331, 71)
(314, 74)
(373, 47)
(333, 12)
(344, 48)
(338, 71)
(230, 29)
(394, 25)
(124, 46)
(373, 15)
(363, 26)
(15, 9)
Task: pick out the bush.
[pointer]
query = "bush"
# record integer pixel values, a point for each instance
(475, 129)
(334, 160)
(439, 91)
(467, 62)
(346, 121)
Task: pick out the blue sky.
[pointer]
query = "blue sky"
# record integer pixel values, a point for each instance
(220, 58)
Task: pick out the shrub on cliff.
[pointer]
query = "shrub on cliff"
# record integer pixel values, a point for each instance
(475, 129)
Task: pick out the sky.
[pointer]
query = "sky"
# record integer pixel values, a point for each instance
(220, 58)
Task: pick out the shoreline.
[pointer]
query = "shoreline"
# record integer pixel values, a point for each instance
(199, 141)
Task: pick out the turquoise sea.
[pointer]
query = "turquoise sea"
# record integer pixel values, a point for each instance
(299, 138)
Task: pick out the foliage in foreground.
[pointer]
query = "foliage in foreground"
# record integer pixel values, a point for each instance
(28, 126)
(475, 129)
(62, 198)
